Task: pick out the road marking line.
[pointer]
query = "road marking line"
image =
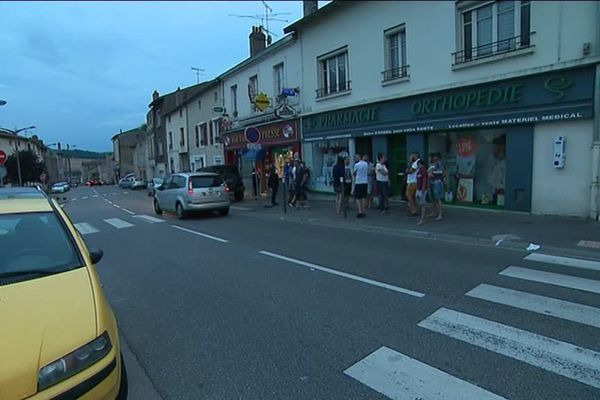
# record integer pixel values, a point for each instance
(118, 223)
(95, 195)
(127, 211)
(74, 199)
(540, 351)
(575, 312)
(344, 274)
(204, 235)
(592, 244)
(572, 282)
(564, 261)
(150, 219)
(84, 198)
(240, 208)
(85, 229)
(400, 377)
(125, 192)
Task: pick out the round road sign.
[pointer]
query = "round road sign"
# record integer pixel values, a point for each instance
(2, 157)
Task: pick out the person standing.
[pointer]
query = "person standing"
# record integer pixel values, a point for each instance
(371, 182)
(303, 191)
(382, 176)
(273, 184)
(292, 189)
(255, 183)
(338, 184)
(361, 179)
(422, 188)
(411, 183)
(436, 175)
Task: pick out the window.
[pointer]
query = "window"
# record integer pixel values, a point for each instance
(179, 181)
(161, 145)
(169, 118)
(278, 79)
(234, 102)
(395, 59)
(158, 118)
(199, 182)
(252, 91)
(203, 135)
(170, 141)
(215, 97)
(218, 160)
(181, 137)
(199, 104)
(197, 136)
(54, 246)
(180, 112)
(494, 28)
(333, 72)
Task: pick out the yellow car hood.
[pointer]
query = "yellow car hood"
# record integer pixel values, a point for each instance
(42, 320)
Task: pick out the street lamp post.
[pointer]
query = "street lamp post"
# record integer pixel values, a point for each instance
(16, 133)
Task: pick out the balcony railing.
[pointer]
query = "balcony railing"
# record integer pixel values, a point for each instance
(331, 90)
(492, 49)
(395, 73)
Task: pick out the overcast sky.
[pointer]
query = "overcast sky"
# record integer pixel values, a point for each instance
(80, 71)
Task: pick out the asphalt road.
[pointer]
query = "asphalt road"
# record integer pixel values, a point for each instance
(245, 307)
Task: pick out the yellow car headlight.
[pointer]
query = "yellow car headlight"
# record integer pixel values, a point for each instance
(74, 362)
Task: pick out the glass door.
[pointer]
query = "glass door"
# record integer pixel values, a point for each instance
(397, 165)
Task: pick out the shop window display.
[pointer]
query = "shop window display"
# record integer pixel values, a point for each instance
(325, 154)
(476, 164)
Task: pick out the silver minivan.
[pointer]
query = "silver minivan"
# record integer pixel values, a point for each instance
(185, 193)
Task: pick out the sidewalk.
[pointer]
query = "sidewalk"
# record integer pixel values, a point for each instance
(498, 228)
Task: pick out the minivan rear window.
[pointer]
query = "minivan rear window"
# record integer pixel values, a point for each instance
(199, 182)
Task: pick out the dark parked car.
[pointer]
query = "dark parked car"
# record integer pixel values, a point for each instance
(231, 176)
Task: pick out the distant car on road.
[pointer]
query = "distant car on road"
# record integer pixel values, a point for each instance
(231, 176)
(185, 193)
(138, 184)
(63, 341)
(126, 183)
(153, 184)
(109, 182)
(60, 187)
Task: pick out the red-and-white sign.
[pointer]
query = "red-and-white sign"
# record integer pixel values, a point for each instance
(2, 157)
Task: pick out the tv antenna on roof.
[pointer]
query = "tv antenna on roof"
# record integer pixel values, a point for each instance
(264, 19)
(197, 71)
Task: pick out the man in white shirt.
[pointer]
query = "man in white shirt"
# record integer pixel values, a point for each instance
(411, 182)
(383, 182)
(361, 182)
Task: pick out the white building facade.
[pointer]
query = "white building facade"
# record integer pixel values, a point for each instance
(504, 91)
(261, 98)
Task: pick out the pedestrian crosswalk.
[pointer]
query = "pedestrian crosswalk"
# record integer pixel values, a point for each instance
(400, 377)
(86, 228)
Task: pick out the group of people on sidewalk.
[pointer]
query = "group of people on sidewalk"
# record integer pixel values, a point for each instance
(423, 184)
(296, 178)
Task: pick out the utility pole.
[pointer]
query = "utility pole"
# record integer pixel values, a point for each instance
(69, 163)
(18, 161)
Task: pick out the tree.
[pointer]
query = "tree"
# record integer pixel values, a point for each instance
(31, 167)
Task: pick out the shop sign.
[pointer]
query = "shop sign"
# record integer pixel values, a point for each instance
(279, 133)
(552, 96)
(261, 101)
(285, 111)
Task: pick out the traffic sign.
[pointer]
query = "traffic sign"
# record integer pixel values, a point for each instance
(2, 172)
(288, 92)
(2, 157)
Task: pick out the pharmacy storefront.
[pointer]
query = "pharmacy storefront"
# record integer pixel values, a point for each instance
(514, 144)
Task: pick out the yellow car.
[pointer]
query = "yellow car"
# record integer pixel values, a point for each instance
(58, 334)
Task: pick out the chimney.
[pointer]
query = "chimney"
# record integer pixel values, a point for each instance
(310, 6)
(258, 41)
(155, 95)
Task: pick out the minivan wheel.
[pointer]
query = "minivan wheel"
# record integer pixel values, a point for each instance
(179, 211)
(224, 212)
(238, 196)
(157, 208)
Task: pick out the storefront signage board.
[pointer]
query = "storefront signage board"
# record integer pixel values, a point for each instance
(552, 96)
(270, 134)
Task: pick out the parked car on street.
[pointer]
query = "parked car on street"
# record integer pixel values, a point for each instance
(138, 184)
(59, 335)
(153, 184)
(186, 193)
(126, 183)
(231, 176)
(60, 187)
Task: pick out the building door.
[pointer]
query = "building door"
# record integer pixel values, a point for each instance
(364, 146)
(397, 163)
